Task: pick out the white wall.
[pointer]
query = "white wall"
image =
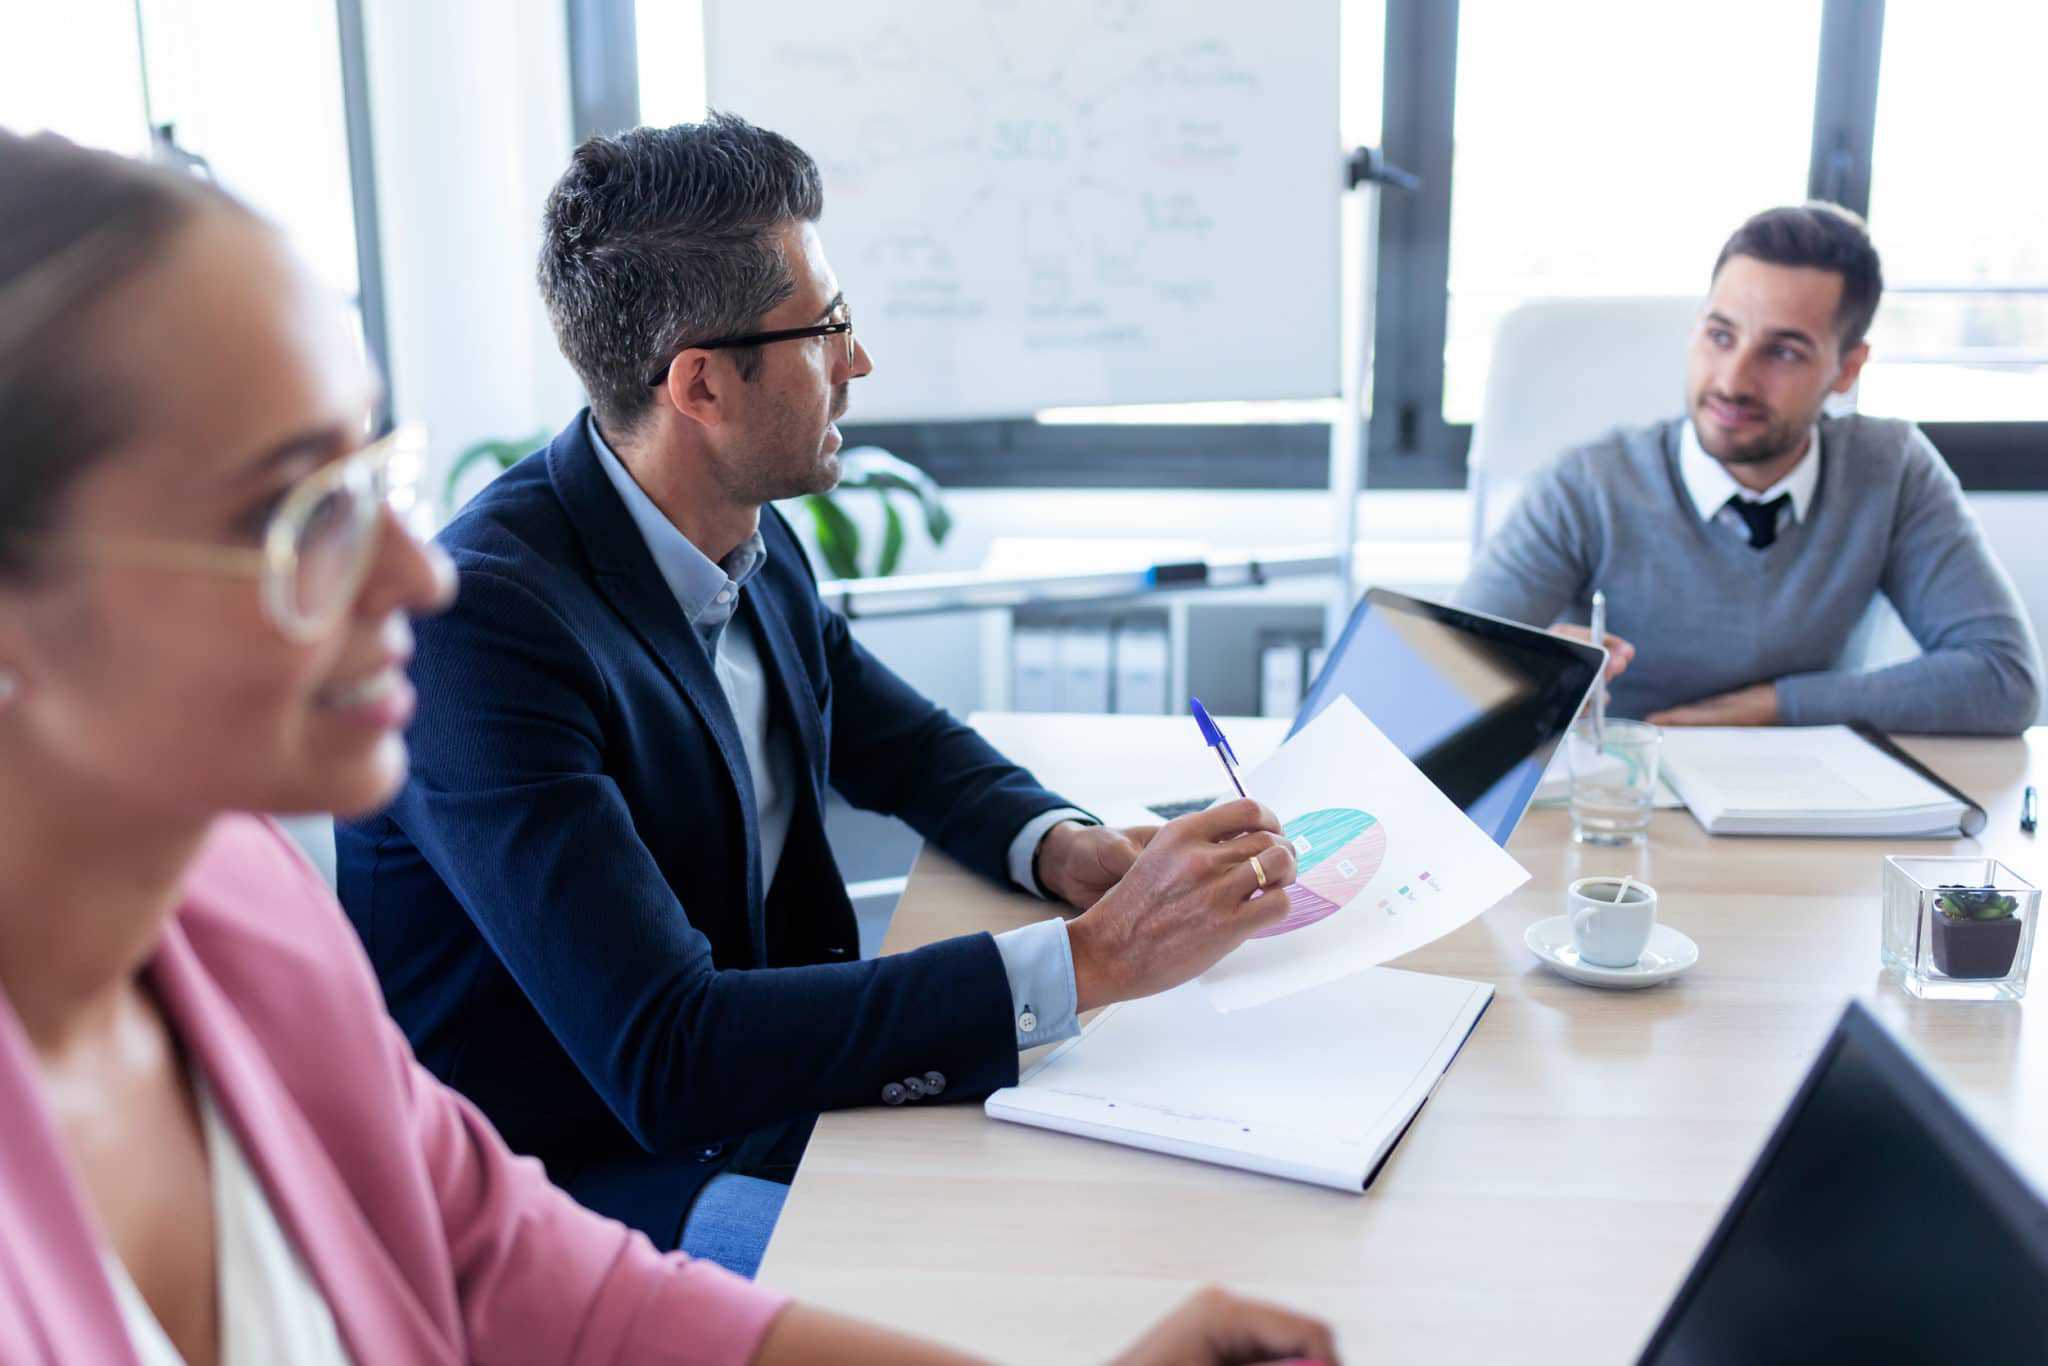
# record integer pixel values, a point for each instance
(471, 123)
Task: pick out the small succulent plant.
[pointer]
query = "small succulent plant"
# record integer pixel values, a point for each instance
(1958, 902)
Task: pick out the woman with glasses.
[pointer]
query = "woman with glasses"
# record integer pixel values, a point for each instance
(214, 1146)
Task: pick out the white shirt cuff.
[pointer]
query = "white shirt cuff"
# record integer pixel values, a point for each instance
(1024, 848)
(1044, 1005)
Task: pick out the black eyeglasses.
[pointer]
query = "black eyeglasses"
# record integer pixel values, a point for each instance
(839, 323)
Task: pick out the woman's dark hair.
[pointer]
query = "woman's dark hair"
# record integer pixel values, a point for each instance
(76, 226)
(1825, 237)
(660, 238)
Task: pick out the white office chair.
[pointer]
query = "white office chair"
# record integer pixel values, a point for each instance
(1564, 372)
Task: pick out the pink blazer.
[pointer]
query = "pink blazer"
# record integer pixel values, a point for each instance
(432, 1242)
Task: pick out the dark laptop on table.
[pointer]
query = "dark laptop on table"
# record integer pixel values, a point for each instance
(1878, 1226)
(1475, 702)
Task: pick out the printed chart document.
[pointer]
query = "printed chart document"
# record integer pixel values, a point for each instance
(1803, 780)
(1317, 1087)
(1386, 863)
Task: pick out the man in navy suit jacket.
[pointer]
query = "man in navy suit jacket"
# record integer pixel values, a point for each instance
(604, 906)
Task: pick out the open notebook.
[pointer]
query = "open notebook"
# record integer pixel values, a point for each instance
(1315, 1087)
(1809, 780)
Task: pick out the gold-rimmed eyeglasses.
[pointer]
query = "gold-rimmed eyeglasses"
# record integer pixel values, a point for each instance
(317, 546)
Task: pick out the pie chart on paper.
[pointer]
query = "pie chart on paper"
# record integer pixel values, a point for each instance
(1337, 850)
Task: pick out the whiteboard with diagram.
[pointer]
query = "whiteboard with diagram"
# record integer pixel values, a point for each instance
(1040, 203)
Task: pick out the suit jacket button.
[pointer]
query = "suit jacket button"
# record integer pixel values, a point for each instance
(894, 1094)
(709, 1152)
(934, 1082)
(915, 1085)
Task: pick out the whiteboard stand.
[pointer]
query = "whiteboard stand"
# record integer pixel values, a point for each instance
(1367, 172)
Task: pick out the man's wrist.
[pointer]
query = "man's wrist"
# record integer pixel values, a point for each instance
(1094, 969)
(1021, 860)
(1045, 842)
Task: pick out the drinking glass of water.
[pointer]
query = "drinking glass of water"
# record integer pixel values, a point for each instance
(1614, 780)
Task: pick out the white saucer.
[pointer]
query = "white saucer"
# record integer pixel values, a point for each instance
(1668, 953)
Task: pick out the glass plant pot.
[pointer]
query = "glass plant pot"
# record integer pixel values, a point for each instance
(1959, 929)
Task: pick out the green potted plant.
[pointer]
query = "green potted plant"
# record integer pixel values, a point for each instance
(501, 452)
(864, 469)
(1976, 932)
(870, 469)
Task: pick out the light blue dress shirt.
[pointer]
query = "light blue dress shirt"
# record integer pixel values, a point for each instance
(1037, 958)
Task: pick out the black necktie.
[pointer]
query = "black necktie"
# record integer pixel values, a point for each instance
(1761, 517)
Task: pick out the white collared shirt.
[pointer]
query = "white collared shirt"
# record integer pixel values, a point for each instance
(1710, 486)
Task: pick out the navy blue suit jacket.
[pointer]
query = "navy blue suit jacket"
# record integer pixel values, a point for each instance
(565, 904)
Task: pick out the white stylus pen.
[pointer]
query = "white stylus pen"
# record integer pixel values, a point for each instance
(1600, 684)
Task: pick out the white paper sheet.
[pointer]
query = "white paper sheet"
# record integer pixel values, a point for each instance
(1389, 863)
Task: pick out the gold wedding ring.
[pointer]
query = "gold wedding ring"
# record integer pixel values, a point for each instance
(1257, 871)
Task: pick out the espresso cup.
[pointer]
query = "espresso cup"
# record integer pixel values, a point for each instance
(1610, 933)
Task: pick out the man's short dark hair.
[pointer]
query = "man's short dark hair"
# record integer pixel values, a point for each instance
(1825, 237)
(661, 237)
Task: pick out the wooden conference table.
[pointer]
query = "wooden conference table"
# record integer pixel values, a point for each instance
(1549, 1198)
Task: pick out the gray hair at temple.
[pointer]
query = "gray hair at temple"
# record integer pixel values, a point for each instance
(660, 238)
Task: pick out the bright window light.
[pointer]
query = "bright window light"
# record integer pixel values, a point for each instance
(1959, 209)
(74, 69)
(1614, 150)
(254, 88)
(670, 36)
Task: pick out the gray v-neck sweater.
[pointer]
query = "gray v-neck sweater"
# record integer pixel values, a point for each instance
(1708, 614)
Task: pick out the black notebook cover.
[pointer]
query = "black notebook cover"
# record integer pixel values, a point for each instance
(1974, 818)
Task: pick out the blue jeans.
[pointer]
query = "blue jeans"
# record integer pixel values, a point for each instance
(731, 1219)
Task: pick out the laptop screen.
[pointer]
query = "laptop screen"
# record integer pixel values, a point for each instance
(1478, 704)
(1878, 1226)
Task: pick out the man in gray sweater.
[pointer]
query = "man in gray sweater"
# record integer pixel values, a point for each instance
(1740, 546)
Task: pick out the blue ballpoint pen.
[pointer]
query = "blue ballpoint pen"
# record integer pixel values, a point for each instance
(1214, 738)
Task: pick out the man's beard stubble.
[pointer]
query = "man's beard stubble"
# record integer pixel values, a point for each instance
(789, 461)
(1779, 438)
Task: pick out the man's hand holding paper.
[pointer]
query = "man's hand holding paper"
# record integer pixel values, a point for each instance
(1187, 901)
(1386, 862)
